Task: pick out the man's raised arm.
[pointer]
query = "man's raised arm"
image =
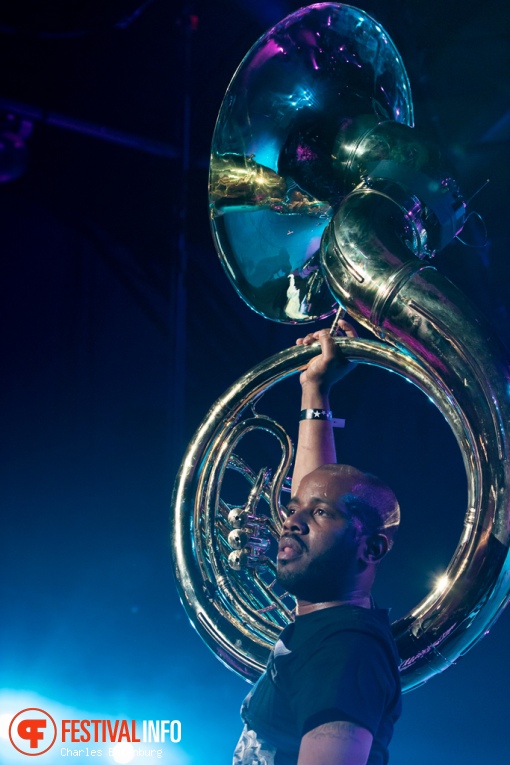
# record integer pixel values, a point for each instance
(316, 444)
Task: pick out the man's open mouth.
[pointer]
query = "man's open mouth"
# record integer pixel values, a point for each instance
(289, 548)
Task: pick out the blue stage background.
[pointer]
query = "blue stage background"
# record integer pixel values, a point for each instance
(119, 330)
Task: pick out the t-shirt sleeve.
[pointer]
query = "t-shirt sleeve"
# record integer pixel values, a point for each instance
(348, 677)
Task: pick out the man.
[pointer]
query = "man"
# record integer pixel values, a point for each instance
(330, 694)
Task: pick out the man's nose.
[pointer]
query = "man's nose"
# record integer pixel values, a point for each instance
(296, 523)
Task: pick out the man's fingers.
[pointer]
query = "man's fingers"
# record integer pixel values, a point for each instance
(327, 344)
(343, 327)
(324, 337)
(308, 339)
(347, 328)
(327, 341)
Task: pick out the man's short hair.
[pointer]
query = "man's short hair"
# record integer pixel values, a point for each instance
(369, 500)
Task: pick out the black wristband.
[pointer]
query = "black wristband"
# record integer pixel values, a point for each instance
(316, 414)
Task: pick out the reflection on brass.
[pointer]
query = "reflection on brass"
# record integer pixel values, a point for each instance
(333, 117)
(240, 184)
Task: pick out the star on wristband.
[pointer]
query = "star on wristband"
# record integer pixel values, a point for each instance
(321, 414)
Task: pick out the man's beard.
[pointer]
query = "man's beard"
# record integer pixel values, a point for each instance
(324, 578)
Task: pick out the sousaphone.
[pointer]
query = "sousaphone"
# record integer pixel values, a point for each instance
(324, 197)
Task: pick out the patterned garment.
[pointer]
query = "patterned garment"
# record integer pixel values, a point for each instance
(252, 751)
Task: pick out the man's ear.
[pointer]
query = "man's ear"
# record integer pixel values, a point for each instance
(375, 548)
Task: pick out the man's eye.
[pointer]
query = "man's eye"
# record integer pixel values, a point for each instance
(289, 511)
(320, 511)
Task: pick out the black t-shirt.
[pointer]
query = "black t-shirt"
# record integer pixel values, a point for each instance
(338, 663)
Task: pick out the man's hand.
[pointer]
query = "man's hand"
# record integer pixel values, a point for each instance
(330, 366)
(316, 444)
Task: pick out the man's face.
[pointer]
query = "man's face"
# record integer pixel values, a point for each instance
(319, 546)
